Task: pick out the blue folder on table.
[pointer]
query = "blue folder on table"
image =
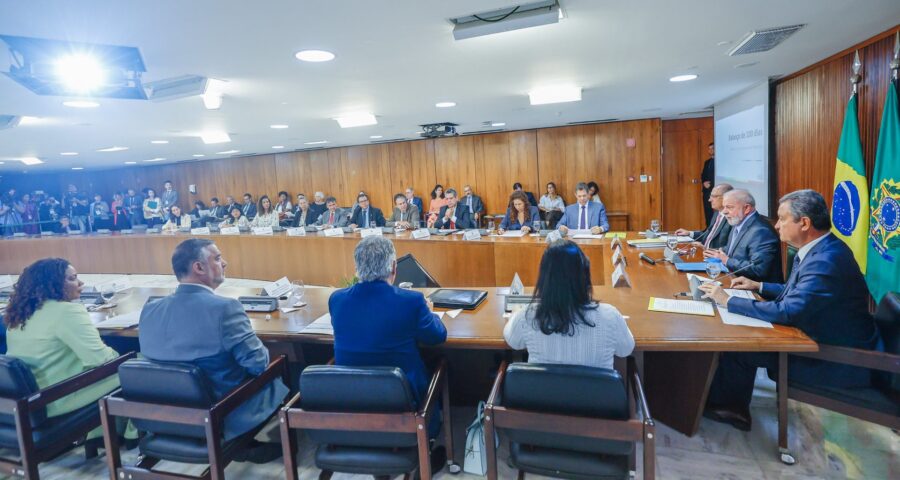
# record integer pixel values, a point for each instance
(695, 267)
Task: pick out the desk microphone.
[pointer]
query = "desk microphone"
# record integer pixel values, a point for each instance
(647, 259)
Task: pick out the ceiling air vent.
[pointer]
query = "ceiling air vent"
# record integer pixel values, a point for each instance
(764, 40)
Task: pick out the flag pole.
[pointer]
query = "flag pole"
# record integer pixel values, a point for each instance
(856, 77)
(895, 62)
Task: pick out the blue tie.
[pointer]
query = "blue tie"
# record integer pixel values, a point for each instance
(366, 221)
(795, 272)
(582, 222)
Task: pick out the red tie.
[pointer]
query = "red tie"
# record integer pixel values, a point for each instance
(331, 219)
(713, 231)
(452, 223)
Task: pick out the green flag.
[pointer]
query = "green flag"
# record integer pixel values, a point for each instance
(850, 205)
(883, 270)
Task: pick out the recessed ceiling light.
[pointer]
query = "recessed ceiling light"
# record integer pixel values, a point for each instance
(26, 120)
(278, 126)
(80, 73)
(554, 94)
(356, 120)
(2, 163)
(69, 154)
(227, 152)
(277, 147)
(31, 160)
(445, 104)
(498, 124)
(81, 104)
(112, 149)
(314, 55)
(317, 142)
(159, 142)
(198, 155)
(157, 159)
(77, 168)
(214, 137)
(375, 137)
(683, 78)
(745, 65)
(130, 163)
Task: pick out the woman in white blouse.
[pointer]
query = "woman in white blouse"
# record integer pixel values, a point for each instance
(551, 206)
(177, 220)
(564, 325)
(152, 209)
(265, 214)
(235, 218)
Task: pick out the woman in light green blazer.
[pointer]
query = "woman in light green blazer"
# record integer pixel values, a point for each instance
(54, 336)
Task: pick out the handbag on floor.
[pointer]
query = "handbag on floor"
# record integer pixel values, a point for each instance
(476, 454)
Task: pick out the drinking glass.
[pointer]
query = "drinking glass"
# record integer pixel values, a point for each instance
(713, 268)
(672, 242)
(654, 226)
(536, 226)
(491, 225)
(298, 290)
(107, 292)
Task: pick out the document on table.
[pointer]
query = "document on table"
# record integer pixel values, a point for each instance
(615, 234)
(587, 236)
(740, 293)
(322, 326)
(514, 233)
(126, 320)
(688, 307)
(729, 318)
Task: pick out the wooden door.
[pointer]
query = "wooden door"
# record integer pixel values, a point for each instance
(684, 151)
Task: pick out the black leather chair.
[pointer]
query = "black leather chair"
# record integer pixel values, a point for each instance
(364, 421)
(24, 426)
(174, 404)
(879, 403)
(568, 421)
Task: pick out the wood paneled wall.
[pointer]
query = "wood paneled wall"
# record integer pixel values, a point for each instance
(490, 163)
(809, 115)
(684, 151)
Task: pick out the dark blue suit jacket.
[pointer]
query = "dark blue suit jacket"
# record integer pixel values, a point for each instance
(463, 218)
(511, 222)
(249, 211)
(376, 218)
(417, 201)
(596, 216)
(826, 297)
(756, 243)
(377, 324)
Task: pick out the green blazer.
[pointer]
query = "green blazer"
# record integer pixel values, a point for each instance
(58, 342)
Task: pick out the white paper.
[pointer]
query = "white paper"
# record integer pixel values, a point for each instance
(617, 256)
(681, 238)
(370, 232)
(729, 318)
(279, 287)
(689, 307)
(618, 274)
(421, 233)
(200, 231)
(575, 231)
(334, 232)
(289, 309)
(261, 231)
(454, 313)
(126, 320)
(229, 231)
(587, 236)
(616, 242)
(440, 315)
(296, 232)
(514, 233)
(554, 236)
(702, 279)
(733, 292)
(472, 235)
(322, 326)
(120, 283)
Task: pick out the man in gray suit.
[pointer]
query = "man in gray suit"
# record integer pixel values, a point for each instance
(169, 196)
(333, 216)
(196, 326)
(473, 203)
(406, 214)
(716, 233)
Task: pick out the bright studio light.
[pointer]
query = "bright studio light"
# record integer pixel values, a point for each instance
(80, 73)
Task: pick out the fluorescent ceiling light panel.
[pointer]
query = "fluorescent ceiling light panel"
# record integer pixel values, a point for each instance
(81, 104)
(130, 163)
(80, 73)
(210, 138)
(157, 159)
(356, 120)
(498, 124)
(159, 142)
(277, 147)
(198, 155)
(212, 96)
(554, 94)
(683, 78)
(375, 137)
(26, 120)
(445, 104)
(318, 142)
(278, 126)
(113, 149)
(31, 160)
(314, 56)
(227, 152)
(69, 154)
(77, 168)
(533, 14)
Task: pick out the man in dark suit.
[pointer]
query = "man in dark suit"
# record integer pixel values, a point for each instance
(453, 215)
(825, 297)
(473, 203)
(716, 234)
(708, 178)
(230, 204)
(134, 205)
(217, 213)
(248, 209)
(365, 215)
(378, 324)
(753, 246)
(584, 214)
(412, 199)
(303, 213)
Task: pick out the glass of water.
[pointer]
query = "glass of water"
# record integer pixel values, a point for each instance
(107, 292)
(491, 225)
(298, 289)
(713, 267)
(536, 227)
(654, 226)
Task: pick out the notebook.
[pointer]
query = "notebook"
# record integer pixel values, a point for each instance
(456, 298)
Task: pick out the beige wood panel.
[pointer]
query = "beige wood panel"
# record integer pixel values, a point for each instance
(566, 157)
(624, 165)
(294, 174)
(454, 162)
(424, 176)
(523, 164)
(496, 180)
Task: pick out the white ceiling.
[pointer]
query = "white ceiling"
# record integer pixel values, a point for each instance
(396, 59)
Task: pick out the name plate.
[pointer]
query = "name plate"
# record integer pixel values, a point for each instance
(620, 277)
(200, 231)
(261, 231)
(333, 232)
(296, 232)
(472, 235)
(279, 287)
(616, 242)
(229, 231)
(554, 236)
(370, 232)
(421, 233)
(617, 257)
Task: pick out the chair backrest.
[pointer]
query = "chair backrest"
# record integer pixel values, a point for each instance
(17, 381)
(332, 388)
(166, 384)
(887, 317)
(566, 390)
(410, 270)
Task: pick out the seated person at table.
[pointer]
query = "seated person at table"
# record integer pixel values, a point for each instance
(65, 226)
(551, 206)
(284, 209)
(303, 214)
(825, 297)
(593, 191)
(412, 199)
(333, 216)
(716, 234)
(584, 214)
(318, 206)
(453, 215)
(406, 214)
(520, 215)
(378, 324)
(753, 249)
(266, 216)
(218, 338)
(99, 213)
(216, 212)
(248, 209)
(473, 203)
(365, 215)
(199, 206)
(229, 204)
(176, 220)
(236, 219)
(564, 324)
(438, 201)
(54, 336)
(517, 187)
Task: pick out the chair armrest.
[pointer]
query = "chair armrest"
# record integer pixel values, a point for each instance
(434, 388)
(494, 397)
(73, 384)
(251, 387)
(857, 357)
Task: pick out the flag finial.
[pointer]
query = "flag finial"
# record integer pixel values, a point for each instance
(856, 77)
(895, 62)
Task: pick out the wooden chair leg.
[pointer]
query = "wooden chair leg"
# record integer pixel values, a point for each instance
(782, 395)
(214, 447)
(424, 451)
(649, 444)
(289, 448)
(448, 422)
(490, 449)
(325, 475)
(521, 475)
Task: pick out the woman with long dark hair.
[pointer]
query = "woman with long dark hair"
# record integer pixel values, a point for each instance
(434, 207)
(520, 214)
(564, 324)
(265, 214)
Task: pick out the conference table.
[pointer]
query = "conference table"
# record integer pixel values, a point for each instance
(677, 354)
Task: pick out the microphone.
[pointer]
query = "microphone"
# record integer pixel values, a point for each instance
(647, 259)
(739, 270)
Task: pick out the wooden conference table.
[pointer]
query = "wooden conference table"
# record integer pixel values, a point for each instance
(677, 354)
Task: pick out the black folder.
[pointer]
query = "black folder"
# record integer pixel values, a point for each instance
(453, 298)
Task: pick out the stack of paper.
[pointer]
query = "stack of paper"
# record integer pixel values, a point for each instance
(127, 320)
(322, 326)
(740, 293)
(586, 236)
(647, 243)
(729, 318)
(688, 307)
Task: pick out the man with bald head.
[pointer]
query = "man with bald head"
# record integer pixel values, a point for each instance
(753, 246)
(716, 234)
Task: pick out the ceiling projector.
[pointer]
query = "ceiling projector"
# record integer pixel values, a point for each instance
(434, 130)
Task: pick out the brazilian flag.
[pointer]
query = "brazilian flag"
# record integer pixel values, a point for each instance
(883, 271)
(850, 205)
